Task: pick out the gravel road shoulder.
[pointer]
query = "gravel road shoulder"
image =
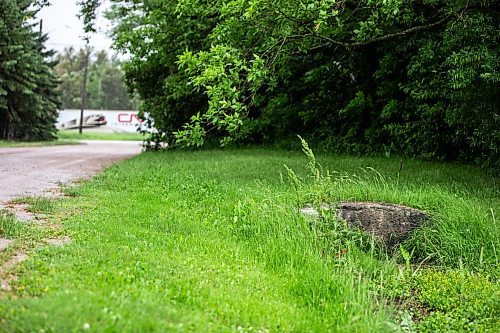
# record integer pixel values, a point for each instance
(35, 171)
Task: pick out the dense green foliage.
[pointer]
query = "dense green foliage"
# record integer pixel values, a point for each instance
(213, 241)
(418, 78)
(154, 37)
(106, 88)
(28, 100)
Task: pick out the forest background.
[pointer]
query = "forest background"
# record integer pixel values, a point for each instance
(409, 78)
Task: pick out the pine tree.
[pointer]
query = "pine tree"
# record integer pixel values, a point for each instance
(28, 98)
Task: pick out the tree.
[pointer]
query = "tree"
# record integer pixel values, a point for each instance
(153, 35)
(106, 87)
(420, 79)
(28, 101)
(410, 77)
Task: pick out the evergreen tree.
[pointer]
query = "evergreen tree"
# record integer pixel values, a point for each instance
(28, 99)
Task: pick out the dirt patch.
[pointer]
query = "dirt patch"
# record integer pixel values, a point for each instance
(389, 223)
(412, 305)
(6, 275)
(58, 241)
(4, 243)
(22, 214)
(58, 192)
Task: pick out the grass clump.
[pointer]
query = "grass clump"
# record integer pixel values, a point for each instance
(21, 235)
(9, 228)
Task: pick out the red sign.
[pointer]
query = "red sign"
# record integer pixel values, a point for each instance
(128, 118)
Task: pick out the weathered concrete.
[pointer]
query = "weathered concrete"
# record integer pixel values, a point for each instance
(389, 223)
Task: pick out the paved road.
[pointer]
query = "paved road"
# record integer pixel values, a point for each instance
(34, 171)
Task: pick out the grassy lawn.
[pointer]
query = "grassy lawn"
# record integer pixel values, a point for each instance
(4, 143)
(212, 241)
(89, 135)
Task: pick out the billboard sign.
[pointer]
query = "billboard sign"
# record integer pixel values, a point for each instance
(108, 121)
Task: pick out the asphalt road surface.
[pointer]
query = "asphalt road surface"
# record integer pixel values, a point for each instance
(37, 171)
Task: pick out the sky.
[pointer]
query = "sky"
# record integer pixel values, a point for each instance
(64, 29)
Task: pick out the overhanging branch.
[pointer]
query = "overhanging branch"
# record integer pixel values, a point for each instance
(312, 33)
(401, 33)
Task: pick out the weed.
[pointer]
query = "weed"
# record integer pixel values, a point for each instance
(9, 228)
(458, 301)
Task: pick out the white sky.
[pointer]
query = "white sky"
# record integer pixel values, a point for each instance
(64, 29)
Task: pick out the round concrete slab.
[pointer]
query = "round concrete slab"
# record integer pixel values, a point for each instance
(389, 223)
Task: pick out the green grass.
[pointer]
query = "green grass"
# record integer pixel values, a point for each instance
(89, 135)
(6, 144)
(212, 241)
